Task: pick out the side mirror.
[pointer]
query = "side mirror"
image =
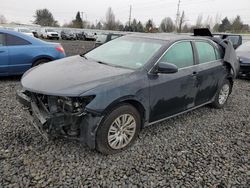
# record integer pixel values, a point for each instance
(166, 68)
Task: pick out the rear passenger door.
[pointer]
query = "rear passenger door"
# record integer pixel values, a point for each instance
(4, 57)
(210, 71)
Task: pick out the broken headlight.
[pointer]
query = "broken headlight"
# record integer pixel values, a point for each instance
(73, 105)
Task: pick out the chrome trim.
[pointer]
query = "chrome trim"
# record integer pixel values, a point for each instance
(166, 118)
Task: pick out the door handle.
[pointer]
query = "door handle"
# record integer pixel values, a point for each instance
(194, 73)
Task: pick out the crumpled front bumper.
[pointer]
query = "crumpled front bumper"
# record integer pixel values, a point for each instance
(35, 116)
(48, 124)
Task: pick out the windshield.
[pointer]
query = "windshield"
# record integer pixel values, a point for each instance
(244, 47)
(50, 30)
(129, 52)
(101, 38)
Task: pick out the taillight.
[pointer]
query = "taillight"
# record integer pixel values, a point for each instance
(60, 49)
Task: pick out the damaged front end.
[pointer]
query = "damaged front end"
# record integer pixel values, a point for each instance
(55, 116)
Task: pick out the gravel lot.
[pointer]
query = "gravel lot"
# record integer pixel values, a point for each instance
(203, 148)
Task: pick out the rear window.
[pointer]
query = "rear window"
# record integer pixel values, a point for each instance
(206, 52)
(12, 40)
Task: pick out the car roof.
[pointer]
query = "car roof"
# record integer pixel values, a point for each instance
(32, 40)
(167, 36)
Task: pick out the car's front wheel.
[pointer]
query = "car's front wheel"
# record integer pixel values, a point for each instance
(222, 94)
(118, 130)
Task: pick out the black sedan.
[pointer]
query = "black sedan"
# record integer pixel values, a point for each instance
(243, 52)
(106, 96)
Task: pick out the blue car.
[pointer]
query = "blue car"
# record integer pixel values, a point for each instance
(19, 52)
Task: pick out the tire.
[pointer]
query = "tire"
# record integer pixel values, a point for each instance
(108, 133)
(222, 95)
(40, 62)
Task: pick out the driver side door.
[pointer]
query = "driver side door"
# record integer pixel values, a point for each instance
(171, 94)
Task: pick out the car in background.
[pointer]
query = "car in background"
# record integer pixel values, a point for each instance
(35, 33)
(47, 33)
(105, 97)
(80, 35)
(67, 35)
(25, 31)
(105, 37)
(234, 38)
(19, 52)
(89, 35)
(243, 52)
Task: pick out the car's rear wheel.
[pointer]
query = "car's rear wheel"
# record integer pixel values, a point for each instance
(118, 130)
(222, 94)
(40, 62)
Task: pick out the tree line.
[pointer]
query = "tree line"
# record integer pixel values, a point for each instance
(44, 17)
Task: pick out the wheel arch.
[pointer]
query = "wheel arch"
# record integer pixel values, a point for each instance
(40, 58)
(131, 101)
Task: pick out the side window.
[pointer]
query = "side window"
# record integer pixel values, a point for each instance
(2, 39)
(206, 52)
(219, 53)
(12, 40)
(181, 55)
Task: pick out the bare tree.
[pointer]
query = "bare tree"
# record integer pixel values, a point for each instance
(199, 21)
(110, 23)
(182, 21)
(2, 19)
(209, 22)
(167, 25)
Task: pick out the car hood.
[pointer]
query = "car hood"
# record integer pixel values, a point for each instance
(244, 56)
(52, 33)
(70, 76)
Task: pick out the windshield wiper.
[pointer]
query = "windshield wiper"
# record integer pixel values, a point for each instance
(82, 55)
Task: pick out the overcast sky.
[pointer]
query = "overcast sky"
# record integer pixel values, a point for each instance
(65, 10)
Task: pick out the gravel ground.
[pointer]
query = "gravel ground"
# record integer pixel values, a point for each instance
(203, 148)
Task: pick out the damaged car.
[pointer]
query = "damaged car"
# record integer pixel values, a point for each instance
(106, 96)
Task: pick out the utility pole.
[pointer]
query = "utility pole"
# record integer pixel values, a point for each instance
(177, 15)
(130, 12)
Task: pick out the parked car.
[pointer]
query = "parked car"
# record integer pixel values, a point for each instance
(106, 96)
(49, 34)
(80, 35)
(243, 52)
(235, 39)
(106, 37)
(35, 33)
(68, 35)
(19, 52)
(25, 31)
(89, 35)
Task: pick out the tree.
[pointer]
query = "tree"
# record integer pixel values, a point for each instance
(44, 17)
(110, 19)
(225, 25)
(3, 19)
(140, 27)
(237, 24)
(149, 26)
(199, 21)
(134, 26)
(78, 23)
(99, 25)
(181, 22)
(167, 25)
